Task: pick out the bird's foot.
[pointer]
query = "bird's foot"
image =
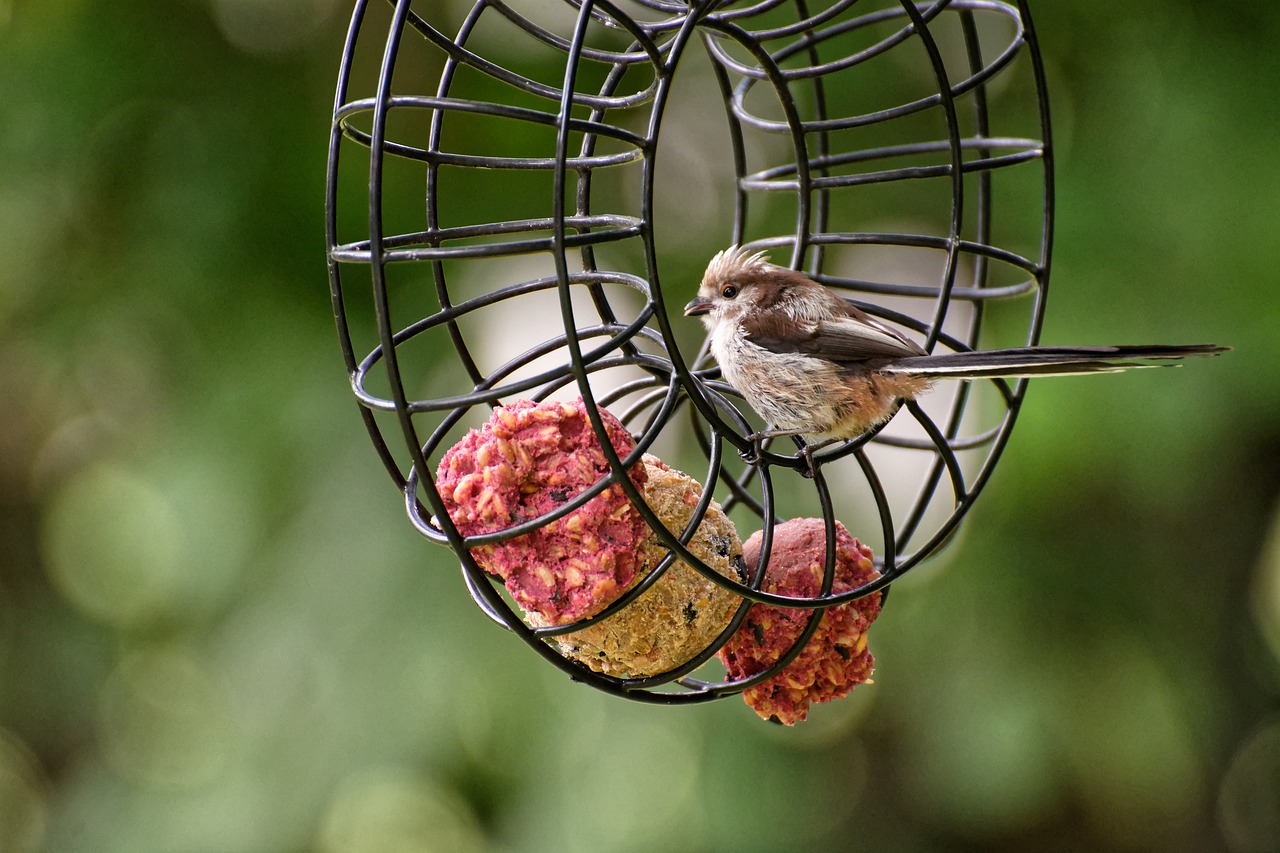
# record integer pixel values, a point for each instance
(755, 452)
(806, 455)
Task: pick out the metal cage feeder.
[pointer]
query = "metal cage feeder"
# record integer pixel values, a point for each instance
(485, 184)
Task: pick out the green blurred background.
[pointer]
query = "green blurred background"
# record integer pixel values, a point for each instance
(219, 633)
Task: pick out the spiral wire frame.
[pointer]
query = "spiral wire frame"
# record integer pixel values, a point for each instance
(796, 79)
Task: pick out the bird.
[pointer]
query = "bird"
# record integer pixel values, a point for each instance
(816, 366)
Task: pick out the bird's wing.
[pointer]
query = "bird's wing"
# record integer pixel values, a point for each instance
(850, 336)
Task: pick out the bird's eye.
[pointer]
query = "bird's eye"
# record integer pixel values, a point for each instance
(729, 291)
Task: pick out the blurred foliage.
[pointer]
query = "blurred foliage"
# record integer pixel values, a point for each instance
(218, 632)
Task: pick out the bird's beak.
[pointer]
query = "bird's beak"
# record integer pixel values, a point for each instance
(698, 305)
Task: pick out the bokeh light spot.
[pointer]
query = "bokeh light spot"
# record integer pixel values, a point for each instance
(393, 811)
(1249, 799)
(270, 26)
(112, 544)
(164, 722)
(1265, 600)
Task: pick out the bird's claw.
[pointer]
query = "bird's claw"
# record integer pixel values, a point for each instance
(755, 452)
(806, 454)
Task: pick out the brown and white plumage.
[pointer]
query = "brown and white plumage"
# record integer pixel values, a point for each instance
(813, 364)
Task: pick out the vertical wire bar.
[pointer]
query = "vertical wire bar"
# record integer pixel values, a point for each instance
(331, 236)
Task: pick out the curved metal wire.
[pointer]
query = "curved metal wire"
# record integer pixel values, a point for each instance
(828, 104)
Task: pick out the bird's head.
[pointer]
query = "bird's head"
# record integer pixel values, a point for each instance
(736, 283)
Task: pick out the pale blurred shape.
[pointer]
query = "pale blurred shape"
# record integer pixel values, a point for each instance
(111, 542)
(270, 26)
(163, 721)
(126, 546)
(554, 15)
(598, 774)
(656, 790)
(23, 797)
(220, 525)
(395, 811)
(512, 327)
(1265, 600)
(1249, 797)
(694, 178)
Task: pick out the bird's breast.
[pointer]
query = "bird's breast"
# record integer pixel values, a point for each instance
(786, 389)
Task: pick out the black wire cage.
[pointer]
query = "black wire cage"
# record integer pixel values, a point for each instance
(502, 224)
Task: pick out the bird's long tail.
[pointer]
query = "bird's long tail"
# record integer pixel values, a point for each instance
(1046, 361)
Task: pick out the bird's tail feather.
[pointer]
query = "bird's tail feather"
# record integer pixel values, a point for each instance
(1046, 361)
